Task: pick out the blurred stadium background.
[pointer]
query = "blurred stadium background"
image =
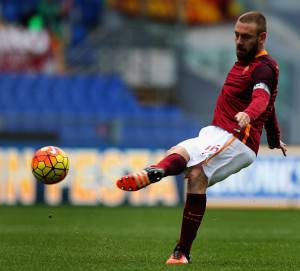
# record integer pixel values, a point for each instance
(115, 83)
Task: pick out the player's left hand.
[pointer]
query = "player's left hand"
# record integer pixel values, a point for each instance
(283, 148)
(242, 118)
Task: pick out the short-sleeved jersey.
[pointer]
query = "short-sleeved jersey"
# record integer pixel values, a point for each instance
(236, 95)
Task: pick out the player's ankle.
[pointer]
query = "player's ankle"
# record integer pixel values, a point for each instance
(155, 174)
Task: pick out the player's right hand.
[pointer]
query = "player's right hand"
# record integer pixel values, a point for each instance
(242, 118)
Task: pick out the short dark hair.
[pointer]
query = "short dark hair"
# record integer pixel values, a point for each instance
(255, 17)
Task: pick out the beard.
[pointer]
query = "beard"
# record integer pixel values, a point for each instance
(245, 55)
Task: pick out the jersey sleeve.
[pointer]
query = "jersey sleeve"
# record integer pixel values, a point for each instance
(263, 77)
(272, 130)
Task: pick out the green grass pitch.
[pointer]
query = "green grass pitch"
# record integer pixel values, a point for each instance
(127, 238)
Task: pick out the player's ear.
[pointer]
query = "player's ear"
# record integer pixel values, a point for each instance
(262, 37)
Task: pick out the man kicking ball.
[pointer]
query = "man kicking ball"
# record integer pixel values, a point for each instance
(244, 106)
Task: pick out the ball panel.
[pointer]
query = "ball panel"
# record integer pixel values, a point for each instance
(59, 158)
(53, 160)
(54, 179)
(42, 157)
(34, 163)
(38, 177)
(60, 166)
(38, 171)
(46, 170)
(59, 172)
(41, 165)
(66, 162)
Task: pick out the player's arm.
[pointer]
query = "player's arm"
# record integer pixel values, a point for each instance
(263, 77)
(260, 100)
(273, 133)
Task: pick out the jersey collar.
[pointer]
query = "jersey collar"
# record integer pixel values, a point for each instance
(261, 53)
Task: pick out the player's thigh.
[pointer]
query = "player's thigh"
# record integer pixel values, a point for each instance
(234, 158)
(210, 140)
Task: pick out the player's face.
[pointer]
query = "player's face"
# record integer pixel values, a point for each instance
(247, 41)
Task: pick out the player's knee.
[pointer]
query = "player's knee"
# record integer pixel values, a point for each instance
(180, 150)
(197, 186)
(197, 180)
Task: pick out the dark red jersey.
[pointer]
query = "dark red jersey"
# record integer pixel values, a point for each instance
(250, 88)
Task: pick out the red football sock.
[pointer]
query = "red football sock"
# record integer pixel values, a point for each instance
(194, 210)
(172, 164)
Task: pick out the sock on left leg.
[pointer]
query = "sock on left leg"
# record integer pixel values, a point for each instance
(192, 216)
(172, 164)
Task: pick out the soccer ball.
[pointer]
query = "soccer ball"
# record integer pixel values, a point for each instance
(50, 165)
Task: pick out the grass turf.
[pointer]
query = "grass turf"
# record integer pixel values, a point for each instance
(98, 238)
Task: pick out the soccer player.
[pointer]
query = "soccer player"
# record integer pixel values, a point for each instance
(244, 106)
